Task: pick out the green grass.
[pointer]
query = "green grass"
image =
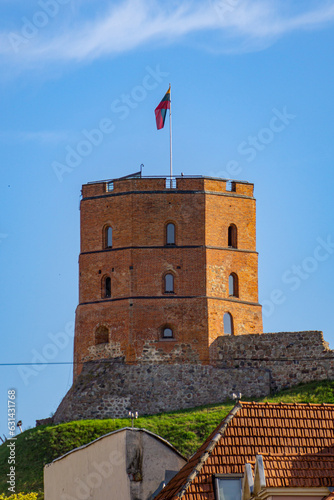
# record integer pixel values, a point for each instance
(186, 430)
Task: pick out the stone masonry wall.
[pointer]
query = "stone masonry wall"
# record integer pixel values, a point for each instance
(252, 364)
(110, 389)
(291, 357)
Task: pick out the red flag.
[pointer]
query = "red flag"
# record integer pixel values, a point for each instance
(161, 110)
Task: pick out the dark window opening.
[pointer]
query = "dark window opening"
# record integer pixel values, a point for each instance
(233, 285)
(101, 335)
(170, 234)
(228, 324)
(169, 283)
(107, 287)
(232, 236)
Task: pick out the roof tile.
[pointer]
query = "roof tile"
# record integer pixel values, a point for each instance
(299, 470)
(258, 428)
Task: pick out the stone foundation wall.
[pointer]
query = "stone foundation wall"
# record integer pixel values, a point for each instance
(252, 364)
(110, 389)
(290, 357)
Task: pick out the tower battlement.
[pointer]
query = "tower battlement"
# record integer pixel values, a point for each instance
(137, 182)
(166, 266)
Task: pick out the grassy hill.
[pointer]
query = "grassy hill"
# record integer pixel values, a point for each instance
(186, 430)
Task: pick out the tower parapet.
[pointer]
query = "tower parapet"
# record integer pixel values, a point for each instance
(166, 266)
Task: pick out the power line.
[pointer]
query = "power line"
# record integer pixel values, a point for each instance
(219, 361)
(36, 364)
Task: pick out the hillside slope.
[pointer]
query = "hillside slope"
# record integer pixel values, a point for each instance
(186, 430)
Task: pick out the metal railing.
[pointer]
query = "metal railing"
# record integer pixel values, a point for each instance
(138, 175)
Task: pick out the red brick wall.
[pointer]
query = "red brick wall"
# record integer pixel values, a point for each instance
(138, 211)
(133, 326)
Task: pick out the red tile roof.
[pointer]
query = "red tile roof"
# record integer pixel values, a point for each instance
(307, 471)
(251, 429)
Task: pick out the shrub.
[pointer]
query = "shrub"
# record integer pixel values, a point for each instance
(20, 496)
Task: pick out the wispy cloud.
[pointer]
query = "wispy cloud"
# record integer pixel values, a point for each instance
(43, 137)
(243, 24)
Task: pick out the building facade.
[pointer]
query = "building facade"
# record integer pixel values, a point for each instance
(127, 464)
(166, 266)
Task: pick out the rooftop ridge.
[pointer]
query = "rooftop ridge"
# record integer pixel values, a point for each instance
(118, 431)
(209, 448)
(275, 456)
(281, 403)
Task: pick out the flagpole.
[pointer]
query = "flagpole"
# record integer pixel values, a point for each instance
(170, 137)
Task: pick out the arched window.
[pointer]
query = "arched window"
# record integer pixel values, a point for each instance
(101, 335)
(233, 285)
(232, 236)
(170, 234)
(108, 237)
(169, 283)
(167, 333)
(106, 287)
(228, 324)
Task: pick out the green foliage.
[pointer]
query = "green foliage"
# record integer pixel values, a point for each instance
(20, 496)
(314, 392)
(186, 430)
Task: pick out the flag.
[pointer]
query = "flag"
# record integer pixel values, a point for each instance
(161, 110)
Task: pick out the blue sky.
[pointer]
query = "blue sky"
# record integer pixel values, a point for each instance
(252, 86)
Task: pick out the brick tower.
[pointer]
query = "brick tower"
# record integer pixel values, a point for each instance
(165, 268)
